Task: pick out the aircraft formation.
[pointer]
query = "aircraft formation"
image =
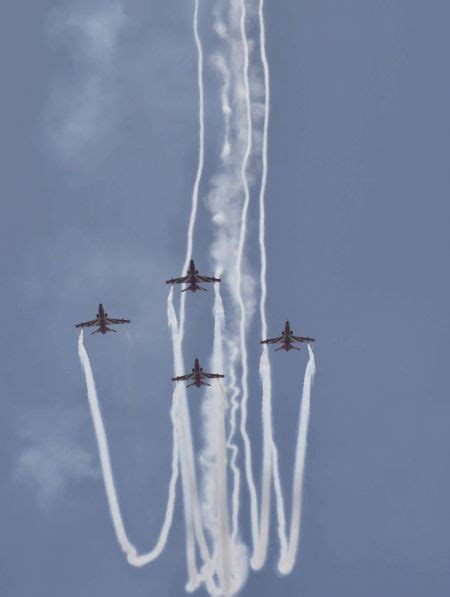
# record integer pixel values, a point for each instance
(287, 340)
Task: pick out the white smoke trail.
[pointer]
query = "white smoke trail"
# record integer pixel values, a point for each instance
(193, 519)
(105, 461)
(214, 416)
(228, 563)
(230, 214)
(201, 159)
(194, 527)
(144, 559)
(108, 478)
(240, 299)
(264, 367)
(231, 445)
(286, 563)
(231, 553)
(225, 203)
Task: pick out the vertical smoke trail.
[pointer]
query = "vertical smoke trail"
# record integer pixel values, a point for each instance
(242, 306)
(231, 553)
(268, 447)
(192, 509)
(193, 581)
(224, 200)
(264, 366)
(201, 157)
(194, 528)
(279, 499)
(234, 449)
(216, 438)
(193, 521)
(225, 203)
(286, 563)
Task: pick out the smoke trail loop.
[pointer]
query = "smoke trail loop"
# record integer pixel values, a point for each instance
(286, 563)
(105, 461)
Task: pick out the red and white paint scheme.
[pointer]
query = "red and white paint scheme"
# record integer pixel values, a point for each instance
(101, 322)
(287, 339)
(192, 279)
(197, 375)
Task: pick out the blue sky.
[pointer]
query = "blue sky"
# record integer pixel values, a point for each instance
(99, 131)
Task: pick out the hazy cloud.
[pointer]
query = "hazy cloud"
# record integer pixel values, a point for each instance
(81, 108)
(51, 458)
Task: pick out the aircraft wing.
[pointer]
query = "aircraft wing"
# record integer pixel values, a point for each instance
(271, 340)
(117, 321)
(178, 280)
(212, 375)
(88, 324)
(208, 278)
(303, 339)
(183, 377)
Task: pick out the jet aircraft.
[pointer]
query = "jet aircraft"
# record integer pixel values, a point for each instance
(287, 339)
(102, 322)
(192, 279)
(197, 375)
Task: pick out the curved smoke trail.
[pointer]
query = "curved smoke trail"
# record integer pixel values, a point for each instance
(287, 562)
(225, 570)
(142, 560)
(108, 478)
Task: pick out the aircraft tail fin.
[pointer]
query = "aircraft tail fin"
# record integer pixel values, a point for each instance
(204, 383)
(96, 331)
(277, 349)
(110, 329)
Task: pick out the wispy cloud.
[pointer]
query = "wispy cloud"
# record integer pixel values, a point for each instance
(80, 110)
(51, 458)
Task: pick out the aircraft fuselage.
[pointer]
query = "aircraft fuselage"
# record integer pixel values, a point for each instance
(287, 345)
(192, 277)
(197, 373)
(102, 315)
